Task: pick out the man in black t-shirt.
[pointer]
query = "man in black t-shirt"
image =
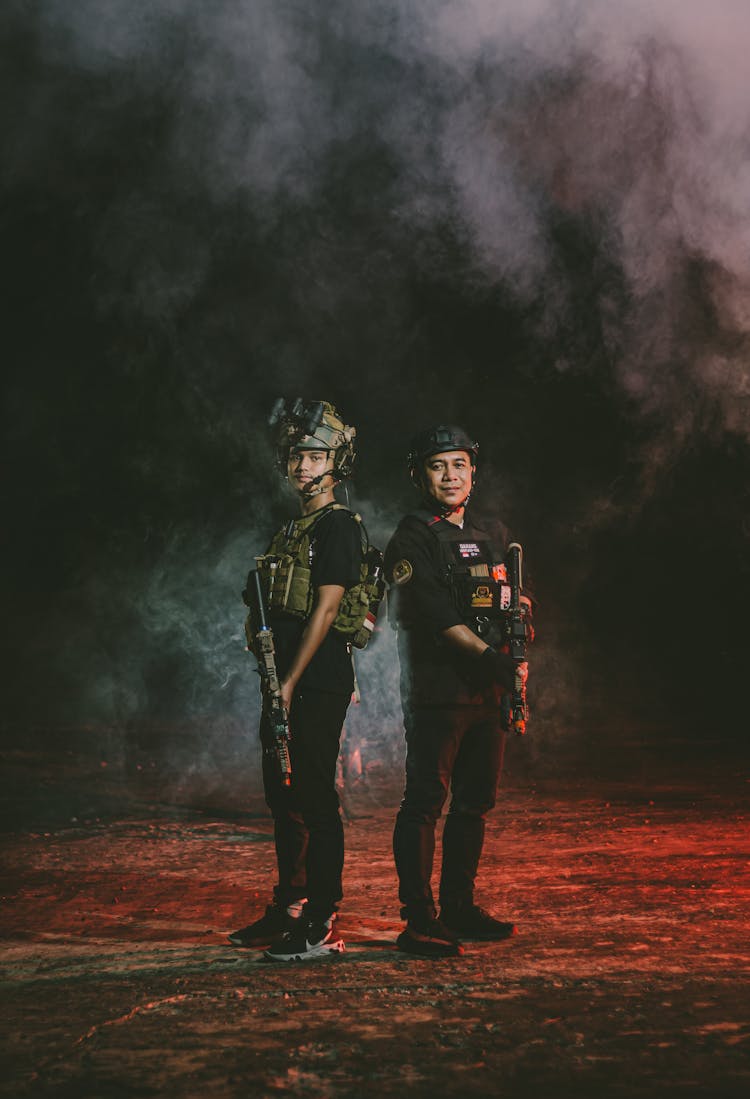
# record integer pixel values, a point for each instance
(446, 569)
(320, 554)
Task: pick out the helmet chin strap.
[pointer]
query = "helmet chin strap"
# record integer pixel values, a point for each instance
(321, 488)
(444, 510)
(450, 509)
(310, 488)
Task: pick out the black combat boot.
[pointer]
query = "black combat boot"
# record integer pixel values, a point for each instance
(275, 922)
(429, 938)
(472, 922)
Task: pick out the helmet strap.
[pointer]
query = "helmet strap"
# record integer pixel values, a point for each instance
(444, 510)
(316, 481)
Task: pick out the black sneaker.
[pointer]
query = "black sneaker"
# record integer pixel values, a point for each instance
(310, 939)
(274, 923)
(429, 939)
(472, 922)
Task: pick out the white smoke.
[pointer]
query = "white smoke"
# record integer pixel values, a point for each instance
(497, 118)
(635, 114)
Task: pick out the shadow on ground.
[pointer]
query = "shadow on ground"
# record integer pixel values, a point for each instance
(628, 977)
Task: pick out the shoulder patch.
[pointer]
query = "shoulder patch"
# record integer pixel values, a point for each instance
(402, 572)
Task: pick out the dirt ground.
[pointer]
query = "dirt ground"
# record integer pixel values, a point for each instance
(628, 977)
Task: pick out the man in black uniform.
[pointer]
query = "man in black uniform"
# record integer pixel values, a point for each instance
(308, 568)
(445, 566)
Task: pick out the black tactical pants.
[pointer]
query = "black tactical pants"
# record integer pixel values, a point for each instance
(458, 748)
(308, 832)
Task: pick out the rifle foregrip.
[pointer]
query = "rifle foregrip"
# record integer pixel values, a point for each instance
(266, 657)
(519, 711)
(285, 763)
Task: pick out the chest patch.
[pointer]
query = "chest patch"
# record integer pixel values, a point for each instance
(467, 551)
(481, 596)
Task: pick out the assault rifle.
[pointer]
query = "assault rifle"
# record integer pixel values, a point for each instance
(516, 709)
(265, 653)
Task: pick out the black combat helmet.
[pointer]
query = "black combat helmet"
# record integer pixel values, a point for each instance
(438, 440)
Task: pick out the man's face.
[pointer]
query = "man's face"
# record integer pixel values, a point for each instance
(448, 476)
(304, 465)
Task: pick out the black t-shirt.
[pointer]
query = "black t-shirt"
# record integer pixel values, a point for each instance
(434, 672)
(337, 554)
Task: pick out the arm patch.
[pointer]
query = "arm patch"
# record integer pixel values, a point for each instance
(402, 572)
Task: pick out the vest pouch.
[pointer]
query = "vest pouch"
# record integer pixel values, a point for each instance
(286, 576)
(480, 596)
(286, 584)
(359, 607)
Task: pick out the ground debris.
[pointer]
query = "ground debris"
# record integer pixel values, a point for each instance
(612, 985)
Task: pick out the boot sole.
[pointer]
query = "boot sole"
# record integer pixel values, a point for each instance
(487, 937)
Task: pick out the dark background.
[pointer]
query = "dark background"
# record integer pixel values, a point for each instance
(533, 224)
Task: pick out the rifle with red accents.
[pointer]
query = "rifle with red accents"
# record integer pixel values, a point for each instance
(517, 629)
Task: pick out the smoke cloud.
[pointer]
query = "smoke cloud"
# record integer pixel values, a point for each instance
(494, 117)
(288, 197)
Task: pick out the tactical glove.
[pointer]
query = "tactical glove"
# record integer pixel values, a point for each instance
(498, 668)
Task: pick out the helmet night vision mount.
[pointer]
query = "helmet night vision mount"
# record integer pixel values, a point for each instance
(313, 425)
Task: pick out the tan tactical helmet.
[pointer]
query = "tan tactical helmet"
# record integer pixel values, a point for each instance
(313, 425)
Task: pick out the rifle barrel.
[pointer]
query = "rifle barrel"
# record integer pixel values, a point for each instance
(260, 603)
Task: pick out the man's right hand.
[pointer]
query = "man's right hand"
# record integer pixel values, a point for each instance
(498, 668)
(502, 669)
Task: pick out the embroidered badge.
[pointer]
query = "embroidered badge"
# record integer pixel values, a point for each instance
(402, 572)
(481, 596)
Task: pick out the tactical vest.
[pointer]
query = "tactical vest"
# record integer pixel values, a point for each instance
(477, 581)
(286, 575)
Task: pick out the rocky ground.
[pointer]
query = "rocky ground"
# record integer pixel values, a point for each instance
(628, 977)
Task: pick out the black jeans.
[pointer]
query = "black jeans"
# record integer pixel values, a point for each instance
(461, 748)
(308, 832)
